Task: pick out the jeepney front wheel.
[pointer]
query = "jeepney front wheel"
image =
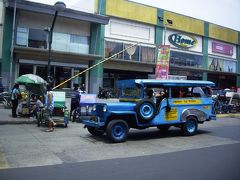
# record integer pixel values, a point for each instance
(190, 127)
(95, 131)
(117, 130)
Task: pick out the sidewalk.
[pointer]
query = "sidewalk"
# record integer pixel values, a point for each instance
(6, 118)
(6, 114)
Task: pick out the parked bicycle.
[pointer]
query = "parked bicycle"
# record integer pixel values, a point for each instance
(5, 98)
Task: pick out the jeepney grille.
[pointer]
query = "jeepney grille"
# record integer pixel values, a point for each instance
(99, 110)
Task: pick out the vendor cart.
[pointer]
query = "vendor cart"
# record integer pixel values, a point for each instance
(60, 113)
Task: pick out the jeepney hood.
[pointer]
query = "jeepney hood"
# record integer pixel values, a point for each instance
(121, 106)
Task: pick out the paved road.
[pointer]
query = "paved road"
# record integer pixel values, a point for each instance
(215, 163)
(212, 154)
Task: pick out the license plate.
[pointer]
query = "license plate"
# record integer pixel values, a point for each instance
(94, 118)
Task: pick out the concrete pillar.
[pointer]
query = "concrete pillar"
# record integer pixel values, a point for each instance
(97, 48)
(205, 50)
(238, 61)
(6, 48)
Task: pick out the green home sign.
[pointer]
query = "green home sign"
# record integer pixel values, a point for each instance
(182, 40)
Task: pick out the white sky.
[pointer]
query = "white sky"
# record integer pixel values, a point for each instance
(222, 12)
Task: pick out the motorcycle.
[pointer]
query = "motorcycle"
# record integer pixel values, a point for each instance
(103, 94)
(5, 98)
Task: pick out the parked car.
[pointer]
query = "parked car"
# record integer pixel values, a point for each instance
(145, 103)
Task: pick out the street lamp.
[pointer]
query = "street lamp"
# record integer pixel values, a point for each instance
(59, 6)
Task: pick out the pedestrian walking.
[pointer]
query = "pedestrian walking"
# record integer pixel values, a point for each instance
(75, 100)
(15, 96)
(49, 106)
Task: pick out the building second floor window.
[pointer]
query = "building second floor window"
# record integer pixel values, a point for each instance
(37, 38)
(138, 53)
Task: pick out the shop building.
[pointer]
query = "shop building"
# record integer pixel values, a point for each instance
(83, 39)
(75, 39)
(194, 44)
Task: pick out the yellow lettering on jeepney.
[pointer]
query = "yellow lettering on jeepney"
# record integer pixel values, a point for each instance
(187, 101)
(171, 115)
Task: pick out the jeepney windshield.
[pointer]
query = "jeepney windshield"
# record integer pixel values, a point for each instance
(130, 92)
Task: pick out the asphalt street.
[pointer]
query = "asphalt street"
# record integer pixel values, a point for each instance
(27, 152)
(215, 163)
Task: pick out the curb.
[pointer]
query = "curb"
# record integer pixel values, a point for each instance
(28, 121)
(228, 115)
(18, 122)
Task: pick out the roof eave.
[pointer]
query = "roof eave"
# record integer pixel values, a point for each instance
(68, 13)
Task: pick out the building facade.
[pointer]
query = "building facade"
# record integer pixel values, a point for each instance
(75, 41)
(199, 50)
(151, 27)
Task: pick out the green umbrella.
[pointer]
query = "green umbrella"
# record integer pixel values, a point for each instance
(30, 79)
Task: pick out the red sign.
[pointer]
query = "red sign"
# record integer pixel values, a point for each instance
(162, 66)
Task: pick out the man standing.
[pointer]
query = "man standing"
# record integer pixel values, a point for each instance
(14, 97)
(75, 100)
(49, 104)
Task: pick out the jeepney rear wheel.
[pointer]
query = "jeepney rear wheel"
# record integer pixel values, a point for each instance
(146, 110)
(95, 131)
(190, 127)
(117, 130)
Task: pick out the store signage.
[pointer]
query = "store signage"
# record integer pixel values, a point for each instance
(162, 66)
(182, 40)
(222, 48)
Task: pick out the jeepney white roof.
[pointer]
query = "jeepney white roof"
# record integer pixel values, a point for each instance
(147, 82)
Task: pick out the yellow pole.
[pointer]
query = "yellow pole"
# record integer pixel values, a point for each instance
(105, 59)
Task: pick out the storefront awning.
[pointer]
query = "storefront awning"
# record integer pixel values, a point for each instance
(68, 13)
(59, 56)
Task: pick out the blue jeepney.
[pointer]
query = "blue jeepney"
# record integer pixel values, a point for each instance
(147, 103)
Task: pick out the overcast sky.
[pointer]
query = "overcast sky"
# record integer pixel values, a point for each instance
(222, 12)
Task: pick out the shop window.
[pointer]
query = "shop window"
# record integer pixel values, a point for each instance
(147, 54)
(135, 53)
(79, 44)
(70, 43)
(186, 59)
(131, 53)
(25, 69)
(79, 79)
(78, 39)
(190, 75)
(112, 48)
(37, 38)
(217, 64)
(42, 71)
(22, 36)
(62, 74)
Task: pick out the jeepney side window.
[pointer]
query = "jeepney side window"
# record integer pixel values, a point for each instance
(181, 92)
(131, 92)
(198, 92)
(174, 92)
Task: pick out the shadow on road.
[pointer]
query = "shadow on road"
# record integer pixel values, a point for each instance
(146, 134)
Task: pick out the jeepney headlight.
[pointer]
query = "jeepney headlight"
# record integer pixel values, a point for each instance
(104, 108)
(94, 107)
